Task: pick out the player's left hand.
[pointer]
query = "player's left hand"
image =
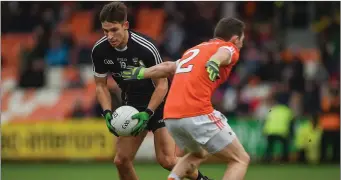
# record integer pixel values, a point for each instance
(143, 118)
(133, 73)
(212, 67)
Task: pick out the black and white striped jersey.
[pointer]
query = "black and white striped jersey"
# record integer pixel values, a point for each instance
(140, 49)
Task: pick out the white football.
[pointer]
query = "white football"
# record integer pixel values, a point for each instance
(122, 122)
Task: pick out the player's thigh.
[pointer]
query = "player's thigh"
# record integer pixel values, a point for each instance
(222, 138)
(214, 134)
(232, 152)
(126, 147)
(179, 152)
(165, 148)
(204, 127)
(164, 143)
(182, 138)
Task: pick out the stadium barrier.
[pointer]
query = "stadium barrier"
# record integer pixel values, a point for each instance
(81, 139)
(86, 139)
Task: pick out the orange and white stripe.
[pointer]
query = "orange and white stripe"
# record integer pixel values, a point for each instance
(216, 120)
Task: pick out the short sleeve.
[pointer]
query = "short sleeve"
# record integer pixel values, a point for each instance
(230, 48)
(234, 52)
(98, 66)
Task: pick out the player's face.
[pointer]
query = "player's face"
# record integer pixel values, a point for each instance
(115, 32)
(239, 41)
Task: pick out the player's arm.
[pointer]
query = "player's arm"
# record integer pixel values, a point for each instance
(102, 93)
(161, 70)
(158, 71)
(102, 90)
(100, 74)
(104, 98)
(161, 88)
(222, 57)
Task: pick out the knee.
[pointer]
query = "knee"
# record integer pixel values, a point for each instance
(122, 161)
(167, 162)
(191, 168)
(200, 155)
(246, 158)
(243, 158)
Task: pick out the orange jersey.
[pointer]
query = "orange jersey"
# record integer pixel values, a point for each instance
(191, 89)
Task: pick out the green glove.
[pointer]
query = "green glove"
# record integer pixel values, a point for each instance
(212, 67)
(108, 118)
(133, 73)
(143, 118)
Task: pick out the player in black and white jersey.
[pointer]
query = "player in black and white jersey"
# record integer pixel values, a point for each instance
(119, 48)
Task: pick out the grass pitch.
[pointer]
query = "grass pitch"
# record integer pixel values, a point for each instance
(107, 171)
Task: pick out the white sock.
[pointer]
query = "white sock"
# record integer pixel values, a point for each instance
(173, 175)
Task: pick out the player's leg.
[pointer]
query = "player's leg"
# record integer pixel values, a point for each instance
(126, 148)
(216, 136)
(165, 147)
(165, 150)
(163, 143)
(188, 165)
(179, 152)
(237, 159)
(226, 146)
(184, 166)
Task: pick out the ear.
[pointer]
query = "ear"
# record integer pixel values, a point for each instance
(126, 25)
(234, 38)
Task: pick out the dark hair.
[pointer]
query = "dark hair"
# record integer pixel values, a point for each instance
(228, 27)
(113, 12)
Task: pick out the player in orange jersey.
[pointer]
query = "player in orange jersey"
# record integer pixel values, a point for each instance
(188, 112)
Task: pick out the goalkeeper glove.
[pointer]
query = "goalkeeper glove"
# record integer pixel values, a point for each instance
(133, 73)
(143, 118)
(212, 67)
(108, 117)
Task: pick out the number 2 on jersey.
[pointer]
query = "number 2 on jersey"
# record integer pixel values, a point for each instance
(180, 68)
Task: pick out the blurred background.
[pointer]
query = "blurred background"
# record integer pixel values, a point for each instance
(289, 67)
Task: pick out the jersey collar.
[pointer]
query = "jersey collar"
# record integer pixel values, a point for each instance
(121, 50)
(217, 39)
(222, 41)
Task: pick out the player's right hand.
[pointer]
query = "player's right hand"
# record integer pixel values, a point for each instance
(212, 67)
(108, 117)
(143, 118)
(133, 73)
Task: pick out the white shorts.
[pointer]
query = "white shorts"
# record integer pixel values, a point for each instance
(210, 132)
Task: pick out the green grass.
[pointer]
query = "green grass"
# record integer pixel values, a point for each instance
(106, 171)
